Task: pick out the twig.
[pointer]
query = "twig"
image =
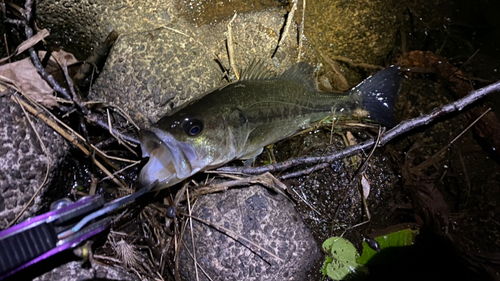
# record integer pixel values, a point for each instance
(107, 258)
(70, 137)
(6, 45)
(102, 153)
(42, 145)
(338, 76)
(111, 132)
(365, 164)
(192, 235)
(287, 26)
(127, 167)
(305, 171)
(30, 42)
(189, 252)
(340, 206)
(333, 125)
(266, 180)
(125, 115)
(430, 160)
(76, 98)
(240, 239)
(230, 50)
(470, 58)
(361, 65)
(130, 140)
(400, 129)
(306, 202)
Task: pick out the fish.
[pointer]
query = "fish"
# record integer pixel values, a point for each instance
(238, 120)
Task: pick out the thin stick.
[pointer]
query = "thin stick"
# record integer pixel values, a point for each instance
(6, 45)
(111, 132)
(365, 164)
(125, 115)
(189, 252)
(230, 50)
(46, 172)
(333, 124)
(361, 65)
(239, 238)
(430, 160)
(307, 171)
(112, 157)
(307, 203)
(266, 180)
(66, 135)
(400, 129)
(127, 167)
(125, 138)
(192, 235)
(470, 58)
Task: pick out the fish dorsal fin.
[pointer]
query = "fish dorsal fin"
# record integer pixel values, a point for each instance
(301, 72)
(256, 70)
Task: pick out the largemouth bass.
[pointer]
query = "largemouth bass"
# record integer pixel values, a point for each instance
(240, 119)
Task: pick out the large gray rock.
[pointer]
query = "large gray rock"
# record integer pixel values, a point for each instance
(268, 220)
(363, 31)
(81, 25)
(74, 271)
(22, 161)
(149, 73)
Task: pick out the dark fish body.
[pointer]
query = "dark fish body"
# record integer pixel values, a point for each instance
(237, 121)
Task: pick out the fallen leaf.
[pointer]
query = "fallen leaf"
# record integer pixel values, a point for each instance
(23, 76)
(57, 59)
(28, 44)
(365, 183)
(351, 138)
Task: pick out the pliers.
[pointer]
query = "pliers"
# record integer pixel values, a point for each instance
(64, 228)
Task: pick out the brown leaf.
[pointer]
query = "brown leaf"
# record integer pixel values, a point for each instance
(23, 76)
(28, 43)
(57, 59)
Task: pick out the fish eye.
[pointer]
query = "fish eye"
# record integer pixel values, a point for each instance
(192, 127)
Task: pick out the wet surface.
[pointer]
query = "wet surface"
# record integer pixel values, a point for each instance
(212, 11)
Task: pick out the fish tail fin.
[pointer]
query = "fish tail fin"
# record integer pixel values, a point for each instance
(378, 95)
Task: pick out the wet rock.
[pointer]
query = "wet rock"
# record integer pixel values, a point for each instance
(22, 161)
(80, 26)
(150, 73)
(268, 220)
(73, 271)
(363, 31)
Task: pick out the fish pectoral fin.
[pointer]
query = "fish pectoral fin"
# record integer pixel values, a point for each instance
(250, 155)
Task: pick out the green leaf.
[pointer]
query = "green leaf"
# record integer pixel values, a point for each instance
(405, 237)
(342, 263)
(328, 260)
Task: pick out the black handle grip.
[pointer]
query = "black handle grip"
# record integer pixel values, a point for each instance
(18, 249)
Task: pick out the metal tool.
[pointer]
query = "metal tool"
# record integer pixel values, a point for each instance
(65, 227)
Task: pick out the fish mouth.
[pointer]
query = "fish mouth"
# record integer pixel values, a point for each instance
(170, 161)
